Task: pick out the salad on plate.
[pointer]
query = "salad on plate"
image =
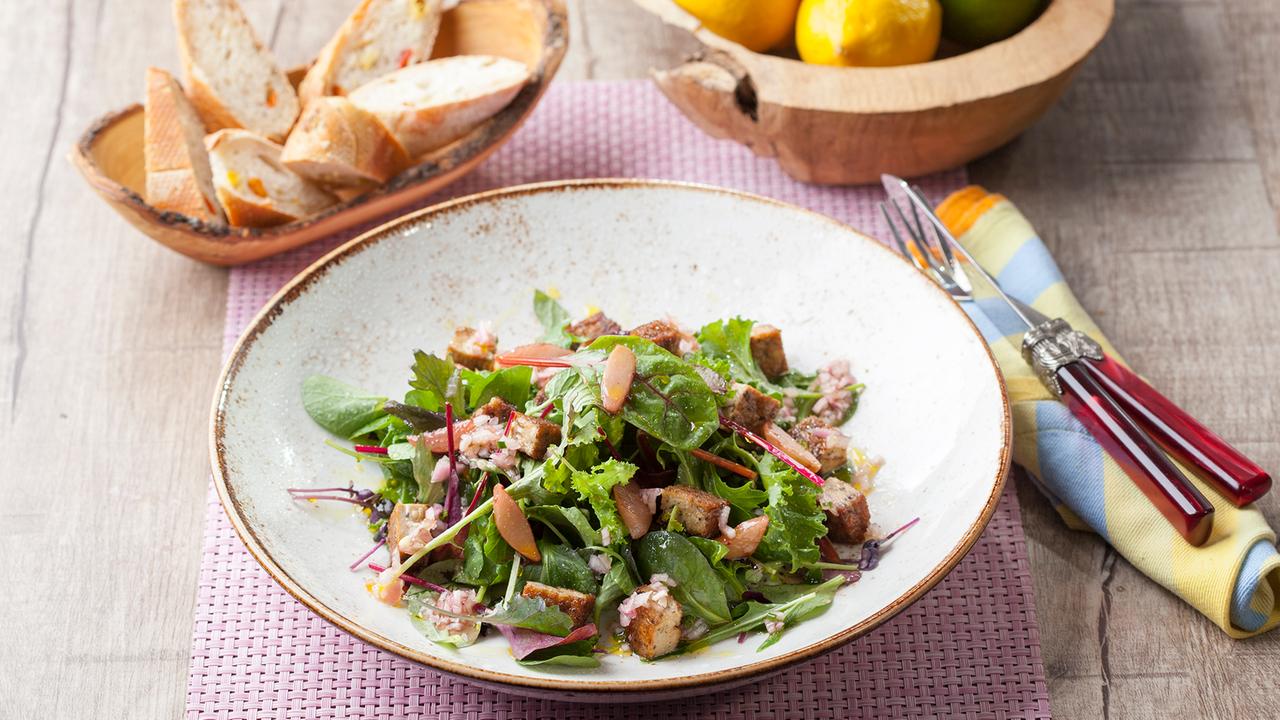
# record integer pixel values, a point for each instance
(650, 491)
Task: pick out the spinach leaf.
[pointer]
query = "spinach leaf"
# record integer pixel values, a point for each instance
(563, 568)
(697, 587)
(565, 520)
(795, 521)
(530, 614)
(616, 584)
(715, 552)
(596, 485)
(420, 601)
(437, 382)
(588, 659)
(341, 409)
(553, 317)
(668, 399)
(486, 557)
(513, 384)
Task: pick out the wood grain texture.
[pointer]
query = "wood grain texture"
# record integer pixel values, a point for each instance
(1156, 182)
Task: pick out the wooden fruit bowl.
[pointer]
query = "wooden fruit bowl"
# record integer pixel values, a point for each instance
(535, 32)
(836, 126)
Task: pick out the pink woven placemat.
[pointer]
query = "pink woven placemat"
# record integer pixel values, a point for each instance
(969, 649)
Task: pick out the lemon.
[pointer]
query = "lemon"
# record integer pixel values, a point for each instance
(981, 22)
(868, 32)
(757, 25)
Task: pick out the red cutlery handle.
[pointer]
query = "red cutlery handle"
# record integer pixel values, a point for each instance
(1237, 477)
(1154, 474)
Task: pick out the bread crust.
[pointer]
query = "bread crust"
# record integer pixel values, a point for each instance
(422, 126)
(321, 78)
(242, 210)
(336, 143)
(217, 112)
(174, 173)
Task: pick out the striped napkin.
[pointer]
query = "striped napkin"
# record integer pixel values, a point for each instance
(1234, 579)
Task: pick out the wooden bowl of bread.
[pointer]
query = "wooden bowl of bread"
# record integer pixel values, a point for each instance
(243, 160)
(846, 125)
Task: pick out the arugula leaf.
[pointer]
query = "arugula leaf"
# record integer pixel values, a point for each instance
(743, 499)
(420, 601)
(668, 399)
(437, 381)
(341, 409)
(565, 519)
(563, 568)
(795, 520)
(698, 588)
(596, 485)
(530, 614)
(730, 341)
(513, 384)
(811, 600)
(553, 317)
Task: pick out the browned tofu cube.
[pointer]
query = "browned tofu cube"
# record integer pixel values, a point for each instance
(752, 408)
(595, 325)
(404, 520)
(663, 333)
(828, 444)
(532, 436)
(698, 511)
(496, 408)
(653, 620)
(766, 350)
(848, 516)
(473, 348)
(578, 606)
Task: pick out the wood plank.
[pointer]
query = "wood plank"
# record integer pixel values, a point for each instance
(1155, 182)
(1148, 185)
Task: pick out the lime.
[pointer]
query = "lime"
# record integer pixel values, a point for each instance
(981, 22)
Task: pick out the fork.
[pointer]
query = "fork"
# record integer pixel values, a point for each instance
(1213, 459)
(1070, 374)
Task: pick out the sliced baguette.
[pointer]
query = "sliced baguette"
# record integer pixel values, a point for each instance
(233, 80)
(379, 37)
(254, 187)
(177, 165)
(431, 104)
(336, 143)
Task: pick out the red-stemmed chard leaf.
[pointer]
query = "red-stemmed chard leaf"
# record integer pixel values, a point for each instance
(526, 642)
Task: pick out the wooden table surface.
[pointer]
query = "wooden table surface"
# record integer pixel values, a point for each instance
(1156, 182)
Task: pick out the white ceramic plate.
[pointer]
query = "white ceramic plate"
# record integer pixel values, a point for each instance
(935, 406)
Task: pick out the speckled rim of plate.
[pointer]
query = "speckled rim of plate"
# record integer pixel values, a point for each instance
(298, 286)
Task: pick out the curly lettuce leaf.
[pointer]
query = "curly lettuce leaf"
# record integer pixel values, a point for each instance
(596, 485)
(795, 520)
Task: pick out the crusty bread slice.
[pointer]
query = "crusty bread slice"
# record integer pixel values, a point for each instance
(379, 37)
(431, 104)
(336, 143)
(177, 164)
(233, 80)
(254, 187)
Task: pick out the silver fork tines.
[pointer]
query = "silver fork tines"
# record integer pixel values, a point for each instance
(933, 255)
